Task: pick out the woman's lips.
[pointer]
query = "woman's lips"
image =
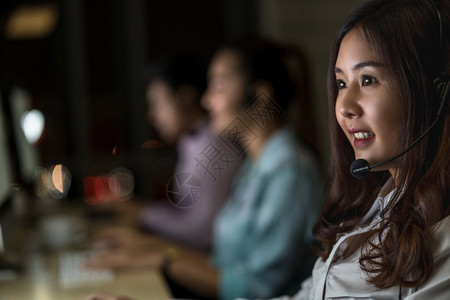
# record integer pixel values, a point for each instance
(361, 137)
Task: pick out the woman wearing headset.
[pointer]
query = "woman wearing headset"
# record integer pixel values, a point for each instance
(387, 236)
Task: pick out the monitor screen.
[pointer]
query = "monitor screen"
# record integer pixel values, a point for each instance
(5, 179)
(28, 158)
(5, 161)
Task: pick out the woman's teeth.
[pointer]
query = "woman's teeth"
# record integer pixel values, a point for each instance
(363, 135)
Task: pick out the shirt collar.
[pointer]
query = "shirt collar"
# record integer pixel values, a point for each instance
(381, 202)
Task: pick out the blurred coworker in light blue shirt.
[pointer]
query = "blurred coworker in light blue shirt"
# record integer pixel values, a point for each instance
(263, 234)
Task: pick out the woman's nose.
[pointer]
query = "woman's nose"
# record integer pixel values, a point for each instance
(347, 103)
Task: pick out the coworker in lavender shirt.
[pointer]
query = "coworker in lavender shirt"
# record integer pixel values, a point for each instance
(173, 94)
(174, 90)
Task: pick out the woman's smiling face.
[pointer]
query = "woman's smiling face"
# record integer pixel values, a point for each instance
(368, 108)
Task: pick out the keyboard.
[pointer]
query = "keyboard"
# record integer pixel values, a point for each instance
(72, 272)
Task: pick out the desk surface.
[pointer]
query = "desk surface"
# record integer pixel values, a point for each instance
(39, 282)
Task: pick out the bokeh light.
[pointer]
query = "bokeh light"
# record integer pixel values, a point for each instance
(121, 183)
(61, 180)
(42, 182)
(33, 124)
(117, 185)
(53, 182)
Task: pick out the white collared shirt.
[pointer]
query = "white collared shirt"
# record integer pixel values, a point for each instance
(343, 278)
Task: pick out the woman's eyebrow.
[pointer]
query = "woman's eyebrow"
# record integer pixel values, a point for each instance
(361, 65)
(364, 64)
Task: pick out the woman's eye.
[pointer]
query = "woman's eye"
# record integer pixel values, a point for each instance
(340, 84)
(367, 80)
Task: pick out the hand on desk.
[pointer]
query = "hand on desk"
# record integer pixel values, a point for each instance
(127, 248)
(125, 237)
(189, 268)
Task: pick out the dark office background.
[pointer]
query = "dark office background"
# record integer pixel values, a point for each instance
(85, 74)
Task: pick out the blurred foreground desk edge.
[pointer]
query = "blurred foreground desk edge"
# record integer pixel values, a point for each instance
(39, 281)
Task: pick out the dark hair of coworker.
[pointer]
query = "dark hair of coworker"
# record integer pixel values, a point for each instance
(405, 34)
(285, 69)
(177, 71)
(260, 61)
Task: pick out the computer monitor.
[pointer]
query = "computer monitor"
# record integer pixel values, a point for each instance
(5, 161)
(28, 155)
(6, 178)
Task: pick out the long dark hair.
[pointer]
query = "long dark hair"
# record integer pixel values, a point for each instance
(263, 60)
(413, 43)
